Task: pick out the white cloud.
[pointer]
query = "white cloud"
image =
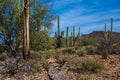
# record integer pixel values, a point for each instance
(88, 22)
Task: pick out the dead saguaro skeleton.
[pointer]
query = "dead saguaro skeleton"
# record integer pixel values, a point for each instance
(26, 27)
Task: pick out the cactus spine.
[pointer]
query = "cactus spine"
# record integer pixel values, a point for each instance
(67, 37)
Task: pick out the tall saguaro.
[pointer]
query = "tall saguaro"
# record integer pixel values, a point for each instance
(73, 35)
(26, 27)
(79, 36)
(67, 37)
(59, 36)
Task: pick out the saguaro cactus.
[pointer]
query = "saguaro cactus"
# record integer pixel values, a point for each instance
(73, 35)
(71, 39)
(111, 31)
(58, 26)
(105, 33)
(105, 28)
(67, 37)
(58, 35)
(108, 40)
(79, 36)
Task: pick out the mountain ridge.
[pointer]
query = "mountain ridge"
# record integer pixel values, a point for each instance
(99, 35)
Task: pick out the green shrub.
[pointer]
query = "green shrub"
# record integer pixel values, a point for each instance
(91, 65)
(86, 64)
(40, 41)
(3, 56)
(91, 49)
(85, 77)
(69, 50)
(118, 43)
(82, 51)
(63, 58)
(76, 63)
(88, 41)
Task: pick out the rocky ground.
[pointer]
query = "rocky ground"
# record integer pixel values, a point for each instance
(57, 71)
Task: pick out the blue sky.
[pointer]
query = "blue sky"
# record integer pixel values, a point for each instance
(89, 15)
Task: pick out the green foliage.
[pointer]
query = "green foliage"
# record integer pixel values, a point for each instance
(91, 65)
(69, 50)
(85, 77)
(40, 41)
(63, 58)
(88, 41)
(40, 18)
(11, 22)
(86, 64)
(82, 51)
(3, 56)
(117, 42)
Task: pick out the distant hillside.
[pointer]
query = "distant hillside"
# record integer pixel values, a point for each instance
(99, 35)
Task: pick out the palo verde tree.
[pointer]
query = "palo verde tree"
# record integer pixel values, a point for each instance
(40, 24)
(14, 17)
(11, 24)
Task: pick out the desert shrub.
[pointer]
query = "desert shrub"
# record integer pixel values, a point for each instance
(85, 77)
(91, 65)
(117, 42)
(76, 63)
(34, 65)
(40, 41)
(2, 48)
(91, 49)
(82, 51)
(11, 65)
(115, 49)
(88, 41)
(86, 64)
(64, 58)
(69, 50)
(3, 56)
